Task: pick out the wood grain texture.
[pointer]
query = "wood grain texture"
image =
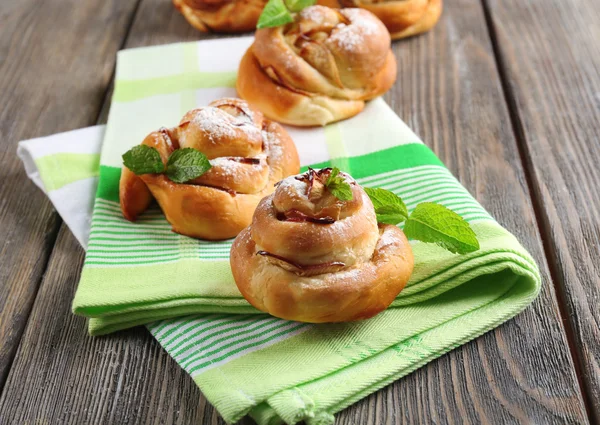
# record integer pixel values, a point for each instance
(550, 57)
(449, 92)
(56, 59)
(62, 375)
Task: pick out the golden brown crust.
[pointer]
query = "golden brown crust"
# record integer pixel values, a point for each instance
(135, 196)
(403, 18)
(319, 69)
(221, 15)
(344, 270)
(248, 155)
(286, 106)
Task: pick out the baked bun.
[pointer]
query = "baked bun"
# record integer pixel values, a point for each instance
(402, 18)
(308, 256)
(318, 69)
(221, 15)
(248, 155)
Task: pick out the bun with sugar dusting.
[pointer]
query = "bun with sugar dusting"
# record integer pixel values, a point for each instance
(308, 256)
(248, 155)
(318, 69)
(403, 18)
(221, 15)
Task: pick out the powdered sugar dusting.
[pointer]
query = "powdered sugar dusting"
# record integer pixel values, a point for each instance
(225, 165)
(219, 124)
(292, 185)
(246, 109)
(352, 37)
(230, 167)
(387, 238)
(272, 147)
(290, 60)
(316, 14)
(214, 122)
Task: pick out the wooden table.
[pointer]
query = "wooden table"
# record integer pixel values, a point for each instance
(506, 92)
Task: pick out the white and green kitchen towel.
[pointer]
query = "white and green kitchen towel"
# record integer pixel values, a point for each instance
(181, 288)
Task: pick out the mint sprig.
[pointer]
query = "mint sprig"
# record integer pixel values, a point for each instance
(143, 159)
(338, 186)
(274, 14)
(186, 164)
(183, 164)
(429, 222)
(279, 12)
(390, 209)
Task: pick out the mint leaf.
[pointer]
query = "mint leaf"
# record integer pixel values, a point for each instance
(186, 164)
(341, 191)
(143, 159)
(298, 5)
(431, 222)
(334, 173)
(274, 14)
(389, 207)
(389, 214)
(338, 186)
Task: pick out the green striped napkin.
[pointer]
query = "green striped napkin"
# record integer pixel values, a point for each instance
(358, 358)
(248, 363)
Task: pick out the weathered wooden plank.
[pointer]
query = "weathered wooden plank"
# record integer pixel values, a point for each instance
(449, 92)
(550, 58)
(56, 59)
(62, 375)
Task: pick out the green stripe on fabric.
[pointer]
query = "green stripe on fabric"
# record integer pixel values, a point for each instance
(130, 90)
(245, 347)
(381, 162)
(392, 159)
(230, 336)
(180, 280)
(205, 330)
(108, 187)
(61, 169)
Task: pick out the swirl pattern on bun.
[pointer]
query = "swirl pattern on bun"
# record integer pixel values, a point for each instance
(311, 257)
(318, 69)
(248, 155)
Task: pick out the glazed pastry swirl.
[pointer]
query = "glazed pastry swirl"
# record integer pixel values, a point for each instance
(316, 229)
(221, 15)
(309, 256)
(248, 155)
(402, 18)
(320, 68)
